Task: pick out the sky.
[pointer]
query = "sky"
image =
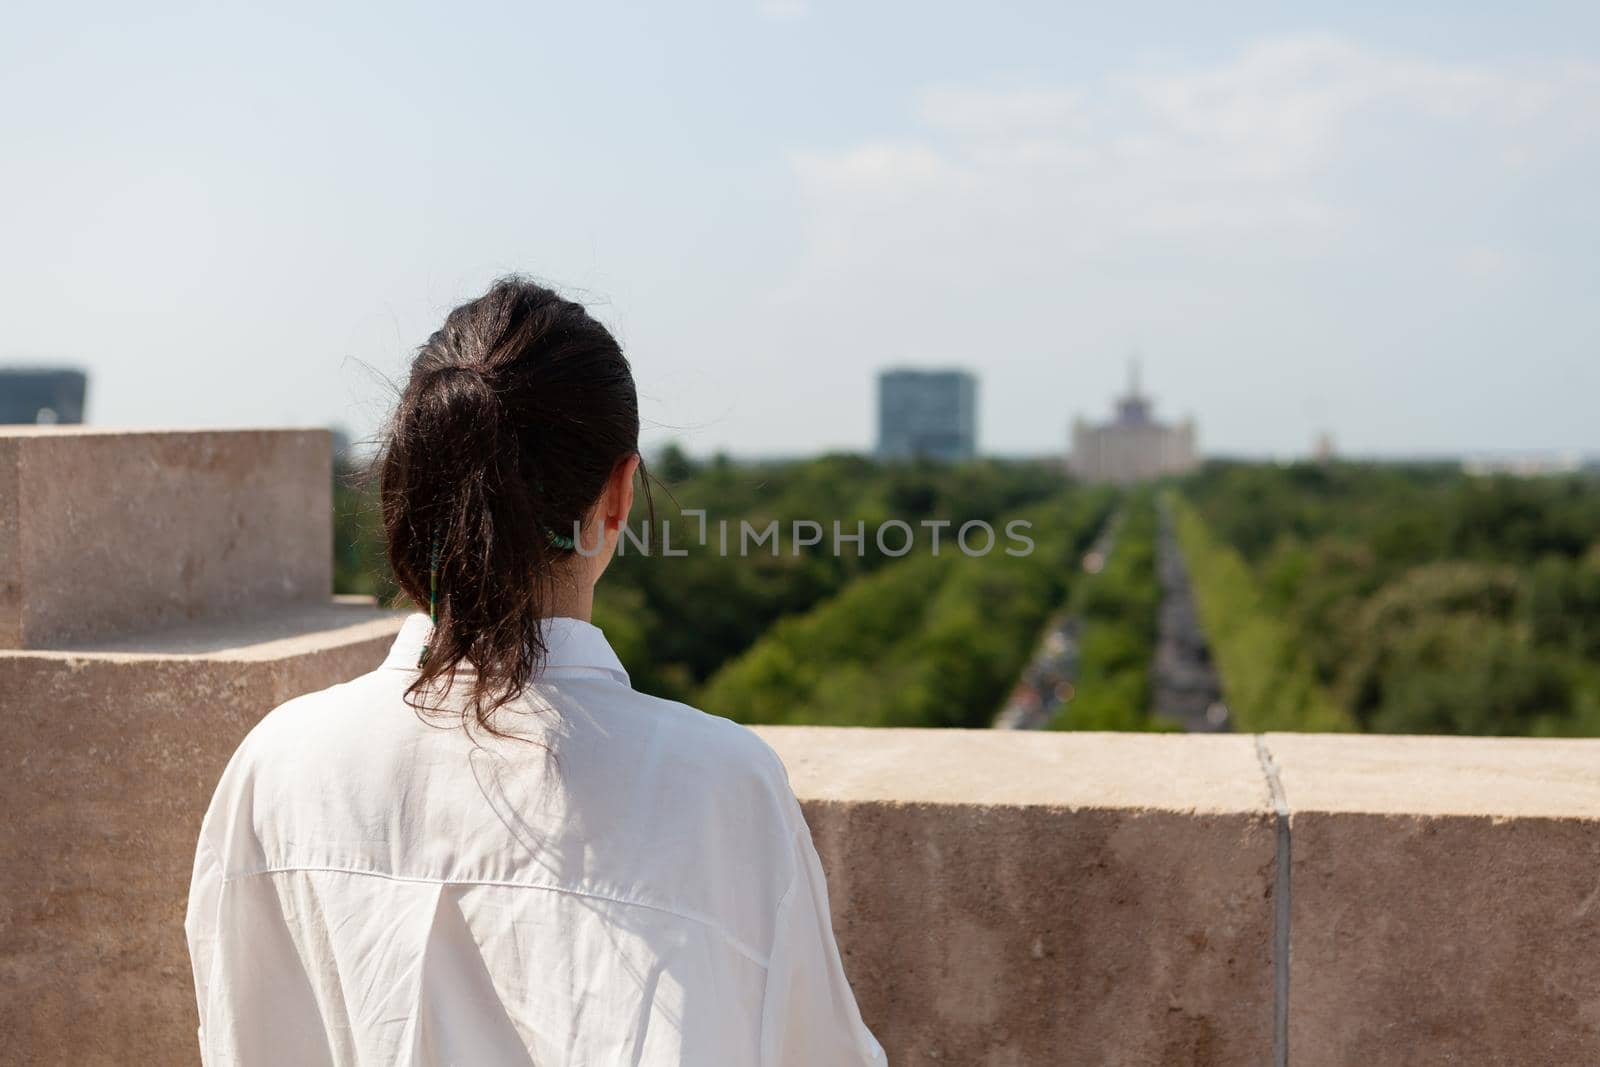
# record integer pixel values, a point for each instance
(1373, 220)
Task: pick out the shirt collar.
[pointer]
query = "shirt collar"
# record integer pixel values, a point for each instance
(569, 643)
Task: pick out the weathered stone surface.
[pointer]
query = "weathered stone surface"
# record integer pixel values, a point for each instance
(106, 532)
(1439, 939)
(1010, 899)
(1163, 772)
(109, 761)
(1445, 899)
(1502, 777)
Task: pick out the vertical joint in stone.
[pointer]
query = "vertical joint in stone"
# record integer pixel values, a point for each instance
(1280, 899)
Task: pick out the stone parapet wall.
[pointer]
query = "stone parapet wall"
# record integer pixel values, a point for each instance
(1006, 898)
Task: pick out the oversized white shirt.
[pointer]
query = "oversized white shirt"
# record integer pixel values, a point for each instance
(633, 884)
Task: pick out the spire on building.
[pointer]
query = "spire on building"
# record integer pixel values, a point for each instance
(1133, 407)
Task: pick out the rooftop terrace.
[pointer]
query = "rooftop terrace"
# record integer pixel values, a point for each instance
(1000, 898)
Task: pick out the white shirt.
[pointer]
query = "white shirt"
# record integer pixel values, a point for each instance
(637, 886)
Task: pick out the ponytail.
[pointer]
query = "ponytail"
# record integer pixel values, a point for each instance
(515, 414)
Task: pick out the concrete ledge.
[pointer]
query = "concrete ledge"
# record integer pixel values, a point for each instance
(1501, 777)
(296, 629)
(109, 762)
(1011, 898)
(105, 532)
(1156, 772)
(1025, 898)
(1446, 899)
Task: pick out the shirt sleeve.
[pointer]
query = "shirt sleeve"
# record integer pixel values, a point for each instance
(810, 1018)
(200, 924)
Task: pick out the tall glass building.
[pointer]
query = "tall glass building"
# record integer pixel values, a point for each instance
(41, 395)
(927, 413)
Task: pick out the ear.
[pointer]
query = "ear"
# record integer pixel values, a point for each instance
(617, 500)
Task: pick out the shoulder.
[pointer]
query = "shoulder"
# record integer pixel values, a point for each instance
(731, 746)
(279, 769)
(719, 746)
(690, 755)
(731, 739)
(721, 793)
(315, 723)
(309, 711)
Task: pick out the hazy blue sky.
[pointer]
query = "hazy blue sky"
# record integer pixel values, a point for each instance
(1350, 217)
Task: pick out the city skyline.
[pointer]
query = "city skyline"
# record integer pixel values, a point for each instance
(1377, 225)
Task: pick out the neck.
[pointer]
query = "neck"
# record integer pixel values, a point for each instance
(570, 600)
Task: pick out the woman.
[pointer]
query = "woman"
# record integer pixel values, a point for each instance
(491, 850)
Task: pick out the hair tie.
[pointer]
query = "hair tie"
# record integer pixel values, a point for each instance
(559, 540)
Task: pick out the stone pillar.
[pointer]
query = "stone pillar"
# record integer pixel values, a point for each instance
(107, 533)
(159, 592)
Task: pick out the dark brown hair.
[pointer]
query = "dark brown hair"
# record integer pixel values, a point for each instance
(516, 413)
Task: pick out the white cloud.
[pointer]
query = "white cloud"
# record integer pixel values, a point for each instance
(1310, 202)
(988, 112)
(1267, 140)
(878, 167)
(1282, 105)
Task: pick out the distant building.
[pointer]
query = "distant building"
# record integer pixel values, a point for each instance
(1524, 464)
(41, 395)
(927, 413)
(1133, 446)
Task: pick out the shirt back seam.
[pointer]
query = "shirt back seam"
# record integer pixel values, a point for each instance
(734, 942)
